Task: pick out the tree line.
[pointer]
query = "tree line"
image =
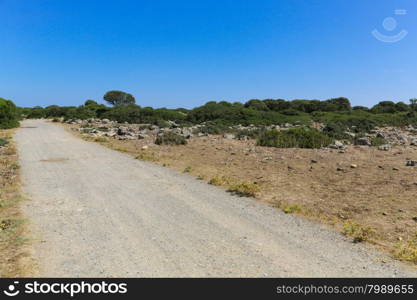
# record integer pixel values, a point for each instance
(122, 107)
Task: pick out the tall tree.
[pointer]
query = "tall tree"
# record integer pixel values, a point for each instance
(118, 98)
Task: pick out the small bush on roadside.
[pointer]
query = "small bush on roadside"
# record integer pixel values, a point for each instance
(245, 189)
(170, 138)
(147, 156)
(101, 139)
(294, 138)
(289, 209)
(187, 169)
(219, 180)
(357, 232)
(406, 251)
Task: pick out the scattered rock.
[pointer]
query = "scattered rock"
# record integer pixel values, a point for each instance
(353, 166)
(411, 163)
(364, 141)
(229, 136)
(337, 145)
(385, 147)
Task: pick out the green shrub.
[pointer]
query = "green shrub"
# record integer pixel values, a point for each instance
(8, 114)
(336, 130)
(294, 138)
(3, 142)
(378, 141)
(170, 138)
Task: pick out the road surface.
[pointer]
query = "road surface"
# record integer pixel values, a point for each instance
(100, 213)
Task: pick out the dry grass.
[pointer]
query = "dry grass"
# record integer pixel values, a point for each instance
(290, 209)
(15, 258)
(357, 232)
(218, 180)
(378, 194)
(407, 251)
(146, 156)
(244, 189)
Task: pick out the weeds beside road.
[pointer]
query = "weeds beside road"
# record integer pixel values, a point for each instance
(15, 259)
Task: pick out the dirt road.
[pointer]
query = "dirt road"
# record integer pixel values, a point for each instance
(98, 212)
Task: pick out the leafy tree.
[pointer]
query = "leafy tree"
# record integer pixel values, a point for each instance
(90, 103)
(340, 104)
(384, 107)
(119, 98)
(277, 104)
(256, 104)
(8, 114)
(401, 106)
(36, 112)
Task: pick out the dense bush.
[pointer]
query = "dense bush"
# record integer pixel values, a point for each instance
(170, 138)
(294, 138)
(8, 114)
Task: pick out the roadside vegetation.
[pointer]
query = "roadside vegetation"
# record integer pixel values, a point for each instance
(15, 260)
(9, 116)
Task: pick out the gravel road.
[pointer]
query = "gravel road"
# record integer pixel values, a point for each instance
(98, 212)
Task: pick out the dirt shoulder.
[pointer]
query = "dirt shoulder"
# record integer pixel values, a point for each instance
(15, 259)
(364, 193)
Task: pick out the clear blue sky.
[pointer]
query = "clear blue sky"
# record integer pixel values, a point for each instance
(185, 53)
